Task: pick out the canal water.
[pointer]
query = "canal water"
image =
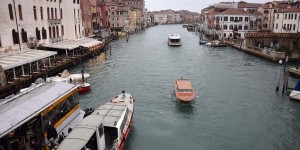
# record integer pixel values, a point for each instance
(236, 105)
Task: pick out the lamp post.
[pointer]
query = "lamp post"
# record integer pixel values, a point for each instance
(278, 76)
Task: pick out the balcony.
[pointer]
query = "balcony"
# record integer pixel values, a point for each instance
(54, 21)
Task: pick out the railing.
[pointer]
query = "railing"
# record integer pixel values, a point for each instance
(56, 39)
(54, 21)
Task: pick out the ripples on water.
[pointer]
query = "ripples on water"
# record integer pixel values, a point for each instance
(236, 105)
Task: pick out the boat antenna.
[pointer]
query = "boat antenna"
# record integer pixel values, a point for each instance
(82, 73)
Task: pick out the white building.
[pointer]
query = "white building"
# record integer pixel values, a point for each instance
(39, 22)
(160, 18)
(287, 21)
(235, 23)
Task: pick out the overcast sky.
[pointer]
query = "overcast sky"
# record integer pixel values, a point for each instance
(191, 5)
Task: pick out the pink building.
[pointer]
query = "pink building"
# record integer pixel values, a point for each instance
(85, 7)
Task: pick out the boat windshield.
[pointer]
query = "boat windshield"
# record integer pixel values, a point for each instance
(185, 90)
(175, 40)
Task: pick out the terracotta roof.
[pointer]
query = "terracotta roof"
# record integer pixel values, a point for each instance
(235, 11)
(248, 5)
(289, 10)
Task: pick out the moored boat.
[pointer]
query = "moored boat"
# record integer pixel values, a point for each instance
(174, 40)
(184, 90)
(295, 94)
(31, 112)
(201, 42)
(106, 128)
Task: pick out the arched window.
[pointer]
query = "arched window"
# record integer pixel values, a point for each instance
(61, 14)
(42, 16)
(62, 30)
(34, 13)
(77, 1)
(48, 13)
(53, 30)
(57, 31)
(15, 36)
(51, 13)
(37, 34)
(10, 12)
(55, 13)
(20, 12)
(24, 36)
(50, 33)
(44, 33)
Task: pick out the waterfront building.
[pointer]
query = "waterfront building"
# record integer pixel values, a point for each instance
(287, 21)
(161, 18)
(119, 17)
(32, 23)
(234, 23)
(85, 6)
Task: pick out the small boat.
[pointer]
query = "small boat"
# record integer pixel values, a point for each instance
(201, 42)
(208, 43)
(77, 79)
(184, 90)
(174, 40)
(295, 94)
(106, 128)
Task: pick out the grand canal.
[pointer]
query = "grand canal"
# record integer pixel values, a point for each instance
(236, 105)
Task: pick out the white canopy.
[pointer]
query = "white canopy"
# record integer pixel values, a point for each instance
(72, 44)
(22, 57)
(19, 109)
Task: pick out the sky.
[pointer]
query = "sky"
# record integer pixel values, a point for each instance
(191, 5)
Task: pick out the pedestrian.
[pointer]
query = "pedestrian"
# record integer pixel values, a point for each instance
(52, 135)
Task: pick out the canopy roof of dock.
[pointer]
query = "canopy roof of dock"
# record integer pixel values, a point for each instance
(22, 57)
(19, 109)
(72, 44)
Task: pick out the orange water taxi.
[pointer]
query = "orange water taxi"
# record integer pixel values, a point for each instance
(184, 90)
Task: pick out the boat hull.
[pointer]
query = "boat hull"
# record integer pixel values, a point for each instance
(84, 88)
(126, 133)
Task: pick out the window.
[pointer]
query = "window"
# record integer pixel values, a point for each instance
(266, 11)
(50, 33)
(78, 14)
(295, 16)
(290, 28)
(10, 12)
(20, 12)
(51, 13)
(53, 30)
(55, 13)
(77, 1)
(37, 34)
(284, 26)
(24, 36)
(74, 1)
(74, 14)
(276, 25)
(42, 16)
(34, 13)
(245, 27)
(277, 16)
(224, 34)
(246, 19)
(15, 36)
(240, 27)
(292, 16)
(225, 27)
(62, 30)
(44, 33)
(57, 31)
(231, 18)
(48, 13)
(241, 19)
(61, 13)
(236, 18)
(231, 27)
(75, 30)
(289, 16)
(294, 28)
(285, 17)
(225, 18)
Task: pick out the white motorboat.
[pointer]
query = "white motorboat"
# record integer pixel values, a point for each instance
(174, 40)
(106, 128)
(295, 94)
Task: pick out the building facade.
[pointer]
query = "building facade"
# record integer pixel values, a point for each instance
(287, 21)
(32, 23)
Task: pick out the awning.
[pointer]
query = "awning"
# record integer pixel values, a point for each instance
(15, 111)
(22, 57)
(92, 44)
(69, 45)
